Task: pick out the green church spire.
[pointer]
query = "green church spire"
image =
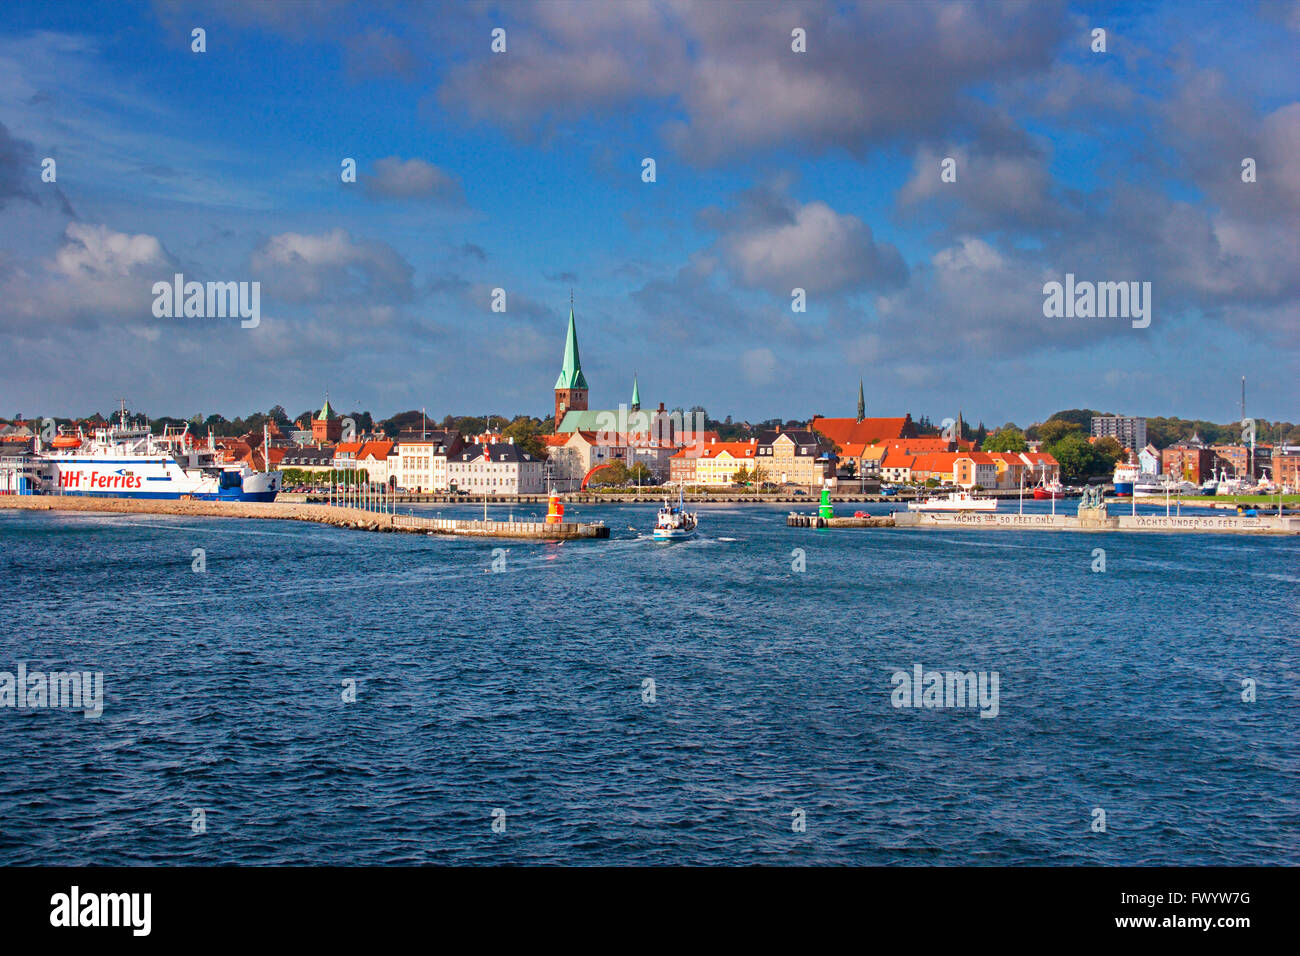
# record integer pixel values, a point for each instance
(571, 373)
(862, 402)
(636, 394)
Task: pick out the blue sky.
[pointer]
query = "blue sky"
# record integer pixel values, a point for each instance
(775, 170)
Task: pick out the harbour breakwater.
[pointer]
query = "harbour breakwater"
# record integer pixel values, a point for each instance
(1205, 524)
(352, 518)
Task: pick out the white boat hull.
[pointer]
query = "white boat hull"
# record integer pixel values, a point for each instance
(956, 503)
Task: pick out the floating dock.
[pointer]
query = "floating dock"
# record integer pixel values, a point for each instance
(353, 518)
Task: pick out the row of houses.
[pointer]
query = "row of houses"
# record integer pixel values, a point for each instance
(794, 457)
(973, 469)
(437, 462)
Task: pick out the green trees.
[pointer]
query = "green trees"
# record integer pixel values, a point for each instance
(1055, 429)
(527, 434)
(1080, 459)
(1006, 439)
(616, 473)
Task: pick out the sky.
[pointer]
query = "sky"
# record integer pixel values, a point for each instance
(775, 170)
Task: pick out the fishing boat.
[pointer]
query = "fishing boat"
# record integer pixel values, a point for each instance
(675, 523)
(1048, 490)
(954, 501)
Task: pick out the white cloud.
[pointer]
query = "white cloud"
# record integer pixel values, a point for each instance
(394, 178)
(759, 366)
(303, 267)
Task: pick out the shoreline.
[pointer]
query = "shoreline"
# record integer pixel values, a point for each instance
(355, 519)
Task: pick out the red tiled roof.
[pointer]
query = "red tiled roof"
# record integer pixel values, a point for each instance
(378, 450)
(868, 431)
(737, 449)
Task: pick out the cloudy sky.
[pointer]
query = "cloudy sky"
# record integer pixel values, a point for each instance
(775, 170)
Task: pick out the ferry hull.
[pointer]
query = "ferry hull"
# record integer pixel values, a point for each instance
(154, 478)
(237, 495)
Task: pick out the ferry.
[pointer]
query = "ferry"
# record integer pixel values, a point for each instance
(126, 460)
(954, 501)
(675, 524)
(1125, 479)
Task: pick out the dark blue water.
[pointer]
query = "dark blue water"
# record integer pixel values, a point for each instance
(522, 691)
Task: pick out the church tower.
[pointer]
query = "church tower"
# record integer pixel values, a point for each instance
(571, 386)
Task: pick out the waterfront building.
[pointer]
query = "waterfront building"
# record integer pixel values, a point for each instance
(718, 462)
(1286, 468)
(419, 465)
(681, 466)
(498, 468)
(306, 458)
(371, 456)
(1043, 467)
(864, 459)
(971, 469)
(1188, 461)
(1149, 460)
(794, 457)
(374, 460)
(1012, 470)
(1130, 432)
(327, 426)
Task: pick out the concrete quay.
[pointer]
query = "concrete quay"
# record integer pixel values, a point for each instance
(352, 518)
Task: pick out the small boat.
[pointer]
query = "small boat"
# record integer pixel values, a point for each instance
(1048, 490)
(675, 523)
(954, 501)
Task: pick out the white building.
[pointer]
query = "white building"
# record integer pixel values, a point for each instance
(496, 469)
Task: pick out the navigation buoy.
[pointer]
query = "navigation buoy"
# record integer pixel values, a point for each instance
(824, 511)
